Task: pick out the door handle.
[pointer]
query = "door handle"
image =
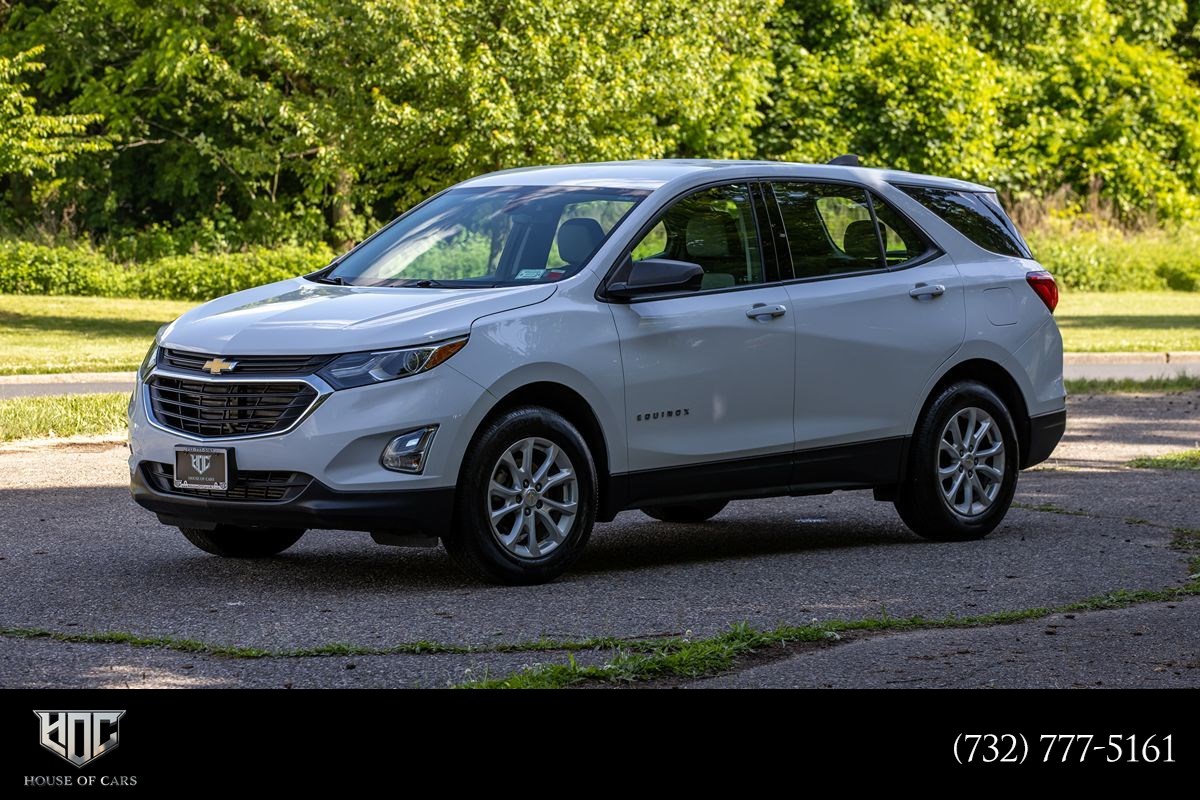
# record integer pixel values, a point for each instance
(760, 310)
(927, 290)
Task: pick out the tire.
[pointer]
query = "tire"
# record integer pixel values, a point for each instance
(231, 541)
(924, 499)
(494, 477)
(686, 512)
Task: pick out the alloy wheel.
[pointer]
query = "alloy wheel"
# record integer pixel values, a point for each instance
(532, 498)
(970, 465)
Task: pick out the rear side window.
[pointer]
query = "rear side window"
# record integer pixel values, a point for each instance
(831, 230)
(976, 215)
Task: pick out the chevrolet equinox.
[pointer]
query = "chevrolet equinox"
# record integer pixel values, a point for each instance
(533, 351)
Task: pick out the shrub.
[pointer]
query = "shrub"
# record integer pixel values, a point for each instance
(27, 268)
(1110, 260)
(203, 277)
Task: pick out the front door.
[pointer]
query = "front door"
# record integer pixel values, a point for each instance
(709, 375)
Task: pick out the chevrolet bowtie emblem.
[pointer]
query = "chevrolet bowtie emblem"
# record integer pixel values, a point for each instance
(218, 365)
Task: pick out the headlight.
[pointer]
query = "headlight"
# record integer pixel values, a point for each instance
(151, 359)
(148, 363)
(361, 369)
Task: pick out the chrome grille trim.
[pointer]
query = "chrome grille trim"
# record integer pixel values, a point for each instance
(188, 361)
(320, 389)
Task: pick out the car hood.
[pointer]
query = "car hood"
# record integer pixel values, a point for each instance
(299, 317)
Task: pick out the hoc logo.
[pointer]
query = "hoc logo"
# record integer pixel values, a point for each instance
(200, 463)
(79, 736)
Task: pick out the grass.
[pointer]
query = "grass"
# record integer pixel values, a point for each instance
(1187, 459)
(62, 415)
(41, 335)
(1144, 322)
(325, 650)
(1178, 383)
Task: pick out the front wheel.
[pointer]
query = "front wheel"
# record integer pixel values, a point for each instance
(231, 541)
(527, 499)
(963, 464)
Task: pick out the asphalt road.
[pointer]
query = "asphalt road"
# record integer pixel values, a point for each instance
(77, 557)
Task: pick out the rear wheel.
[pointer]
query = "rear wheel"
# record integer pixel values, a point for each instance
(686, 512)
(526, 501)
(963, 465)
(231, 541)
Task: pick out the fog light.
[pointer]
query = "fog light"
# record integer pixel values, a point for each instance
(406, 453)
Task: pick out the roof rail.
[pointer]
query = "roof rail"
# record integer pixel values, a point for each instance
(848, 160)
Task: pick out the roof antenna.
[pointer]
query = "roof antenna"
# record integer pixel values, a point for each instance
(848, 160)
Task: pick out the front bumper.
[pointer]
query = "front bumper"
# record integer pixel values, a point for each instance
(426, 512)
(340, 441)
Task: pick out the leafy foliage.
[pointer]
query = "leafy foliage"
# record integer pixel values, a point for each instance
(33, 144)
(1027, 96)
(27, 268)
(166, 128)
(270, 108)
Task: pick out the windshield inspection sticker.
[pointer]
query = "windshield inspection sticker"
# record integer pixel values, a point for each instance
(529, 274)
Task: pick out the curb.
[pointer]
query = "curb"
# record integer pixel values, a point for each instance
(1178, 357)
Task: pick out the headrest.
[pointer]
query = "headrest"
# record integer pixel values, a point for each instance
(578, 238)
(860, 241)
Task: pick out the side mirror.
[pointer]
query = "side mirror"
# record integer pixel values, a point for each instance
(655, 276)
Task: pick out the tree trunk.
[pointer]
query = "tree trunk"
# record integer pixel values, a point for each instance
(341, 212)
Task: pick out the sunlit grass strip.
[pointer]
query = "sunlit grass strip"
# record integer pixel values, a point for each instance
(62, 415)
(1176, 383)
(1187, 459)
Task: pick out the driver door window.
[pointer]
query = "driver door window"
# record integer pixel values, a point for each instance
(714, 228)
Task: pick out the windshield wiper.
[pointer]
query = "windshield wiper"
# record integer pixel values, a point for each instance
(433, 283)
(335, 280)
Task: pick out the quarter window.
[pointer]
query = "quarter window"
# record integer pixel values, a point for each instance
(976, 215)
(714, 228)
(901, 241)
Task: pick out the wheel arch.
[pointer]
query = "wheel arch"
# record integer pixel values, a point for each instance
(1001, 381)
(578, 411)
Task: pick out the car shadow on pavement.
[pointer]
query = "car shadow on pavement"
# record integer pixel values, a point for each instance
(37, 525)
(636, 542)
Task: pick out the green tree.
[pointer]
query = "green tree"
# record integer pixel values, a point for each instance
(1025, 95)
(267, 111)
(34, 144)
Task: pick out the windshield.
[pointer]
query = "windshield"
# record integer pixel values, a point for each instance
(494, 236)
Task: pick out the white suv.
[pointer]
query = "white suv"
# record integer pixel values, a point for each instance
(533, 351)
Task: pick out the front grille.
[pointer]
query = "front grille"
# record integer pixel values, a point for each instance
(226, 408)
(245, 365)
(243, 484)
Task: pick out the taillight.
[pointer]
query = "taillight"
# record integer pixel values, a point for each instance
(1045, 287)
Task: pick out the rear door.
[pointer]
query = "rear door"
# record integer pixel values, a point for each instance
(877, 310)
(709, 375)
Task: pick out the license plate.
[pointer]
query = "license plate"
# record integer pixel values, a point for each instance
(202, 468)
